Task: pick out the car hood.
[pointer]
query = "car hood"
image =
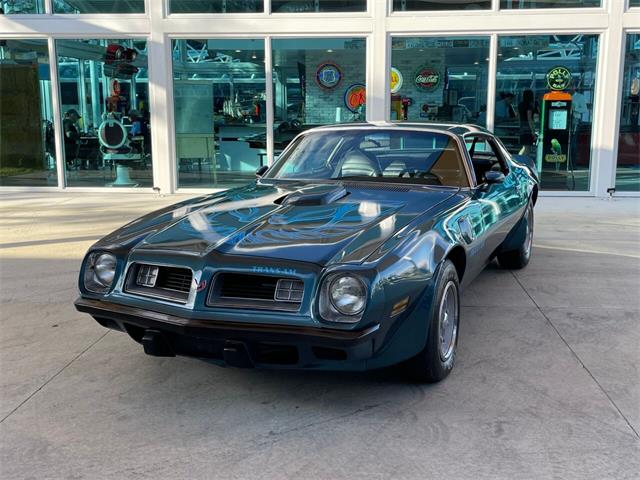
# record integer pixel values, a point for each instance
(318, 223)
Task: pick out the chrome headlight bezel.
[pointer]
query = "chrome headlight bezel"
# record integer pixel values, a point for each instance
(100, 272)
(329, 310)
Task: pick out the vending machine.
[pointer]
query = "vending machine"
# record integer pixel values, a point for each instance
(554, 151)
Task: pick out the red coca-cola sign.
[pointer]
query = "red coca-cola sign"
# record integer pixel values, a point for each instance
(427, 78)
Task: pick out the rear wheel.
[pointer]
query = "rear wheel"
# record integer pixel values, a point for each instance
(437, 358)
(519, 258)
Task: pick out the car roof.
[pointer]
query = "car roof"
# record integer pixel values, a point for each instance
(451, 128)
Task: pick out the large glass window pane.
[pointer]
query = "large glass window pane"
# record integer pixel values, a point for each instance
(27, 144)
(301, 6)
(98, 6)
(104, 97)
(10, 7)
(634, 3)
(544, 105)
(216, 6)
(220, 111)
(439, 78)
(317, 81)
(515, 4)
(415, 5)
(628, 172)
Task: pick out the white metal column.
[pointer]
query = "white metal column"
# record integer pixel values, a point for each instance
(607, 102)
(378, 65)
(491, 82)
(161, 102)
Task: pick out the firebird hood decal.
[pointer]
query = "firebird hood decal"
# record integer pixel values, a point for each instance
(256, 221)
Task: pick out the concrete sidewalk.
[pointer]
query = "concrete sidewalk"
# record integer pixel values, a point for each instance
(547, 383)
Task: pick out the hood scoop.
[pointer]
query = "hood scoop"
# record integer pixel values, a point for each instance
(316, 195)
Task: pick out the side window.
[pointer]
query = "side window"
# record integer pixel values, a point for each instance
(448, 167)
(504, 168)
(485, 155)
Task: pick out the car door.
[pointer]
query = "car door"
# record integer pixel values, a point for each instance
(496, 204)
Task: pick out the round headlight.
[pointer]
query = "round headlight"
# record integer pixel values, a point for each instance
(104, 269)
(348, 295)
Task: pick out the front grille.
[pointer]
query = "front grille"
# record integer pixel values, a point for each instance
(235, 285)
(158, 281)
(242, 290)
(176, 279)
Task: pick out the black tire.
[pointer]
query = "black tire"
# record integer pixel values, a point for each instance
(519, 258)
(431, 364)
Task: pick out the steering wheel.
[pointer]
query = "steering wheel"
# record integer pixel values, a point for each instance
(430, 176)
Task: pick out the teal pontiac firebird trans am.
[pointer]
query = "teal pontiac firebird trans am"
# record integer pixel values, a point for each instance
(349, 253)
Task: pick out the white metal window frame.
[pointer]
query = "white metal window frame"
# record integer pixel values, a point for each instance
(612, 21)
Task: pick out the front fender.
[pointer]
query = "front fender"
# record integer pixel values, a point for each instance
(410, 330)
(407, 275)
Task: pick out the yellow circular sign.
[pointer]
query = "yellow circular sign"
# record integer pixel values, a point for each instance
(396, 80)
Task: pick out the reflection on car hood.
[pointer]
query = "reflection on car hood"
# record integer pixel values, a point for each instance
(257, 220)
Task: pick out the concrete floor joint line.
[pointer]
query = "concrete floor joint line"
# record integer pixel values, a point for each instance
(576, 356)
(53, 377)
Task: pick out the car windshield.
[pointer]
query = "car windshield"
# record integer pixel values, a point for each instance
(398, 156)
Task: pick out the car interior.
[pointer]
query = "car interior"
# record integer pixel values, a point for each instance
(421, 158)
(484, 157)
(435, 165)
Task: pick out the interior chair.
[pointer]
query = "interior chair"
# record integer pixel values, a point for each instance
(394, 169)
(358, 164)
(116, 150)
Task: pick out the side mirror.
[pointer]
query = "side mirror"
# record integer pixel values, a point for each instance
(493, 176)
(261, 171)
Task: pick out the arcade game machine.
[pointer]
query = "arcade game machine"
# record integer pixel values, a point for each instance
(554, 160)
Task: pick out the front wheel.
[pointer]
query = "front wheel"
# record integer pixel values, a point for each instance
(436, 360)
(519, 258)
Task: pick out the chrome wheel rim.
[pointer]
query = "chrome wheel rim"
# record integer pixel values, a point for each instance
(448, 321)
(528, 241)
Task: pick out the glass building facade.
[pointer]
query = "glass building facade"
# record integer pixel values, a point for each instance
(628, 161)
(198, 94)
(27, 140)
(104, 99)
(525, 68)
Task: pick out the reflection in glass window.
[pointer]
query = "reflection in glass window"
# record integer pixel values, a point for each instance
(416, 5)
(317, 81)
(306, 6)
(544, 105)
(439, 78)
(216, 6)
(12, 7)
(634, 3)
(515, 4)
(98, 6)
(628, 172)
(27, 143)
(104, 99)
(220, 111)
